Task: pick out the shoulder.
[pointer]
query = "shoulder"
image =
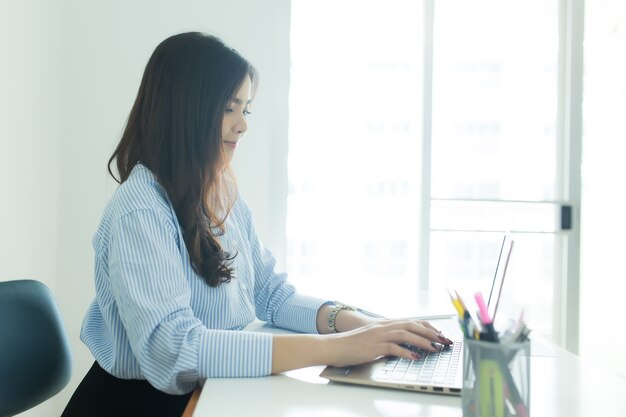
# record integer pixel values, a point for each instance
(141, 192)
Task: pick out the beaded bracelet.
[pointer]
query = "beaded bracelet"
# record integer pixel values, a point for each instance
(332, 316)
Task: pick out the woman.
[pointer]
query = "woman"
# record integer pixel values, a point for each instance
(179, 268)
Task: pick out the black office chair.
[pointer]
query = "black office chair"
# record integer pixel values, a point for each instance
(35, 360)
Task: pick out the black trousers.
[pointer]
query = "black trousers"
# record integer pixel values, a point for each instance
(102, 394)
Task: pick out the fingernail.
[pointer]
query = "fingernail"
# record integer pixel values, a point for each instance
(416, 355)
(445, 340)
(435, 345)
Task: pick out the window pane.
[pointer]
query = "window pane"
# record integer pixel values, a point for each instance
(495, 99)
(354, 149)
(494, 138)
(466, 261)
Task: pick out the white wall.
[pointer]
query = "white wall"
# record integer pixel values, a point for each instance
(29, 142)
(603, 198)
(70, 71)
(29, 138)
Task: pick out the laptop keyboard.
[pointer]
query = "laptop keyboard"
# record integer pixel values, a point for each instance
(431, 368)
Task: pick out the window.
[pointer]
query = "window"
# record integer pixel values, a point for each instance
(419, 132)
(354, 150)
(494, 150)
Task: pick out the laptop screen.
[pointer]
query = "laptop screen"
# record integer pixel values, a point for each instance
(500, 274)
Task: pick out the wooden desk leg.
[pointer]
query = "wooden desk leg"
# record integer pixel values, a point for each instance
(191, 405)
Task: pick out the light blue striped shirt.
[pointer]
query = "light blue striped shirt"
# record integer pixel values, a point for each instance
(154, 318)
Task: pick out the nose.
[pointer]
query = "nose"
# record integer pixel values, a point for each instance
(241, 126)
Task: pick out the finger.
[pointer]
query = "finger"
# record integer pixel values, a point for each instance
(406, 337)
(440, 337)
(427, 324)
(413, 327)
(444, 340)
(425, 332)
(394, 349)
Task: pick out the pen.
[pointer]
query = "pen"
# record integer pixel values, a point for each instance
(460, 313)
(465, 319)
(472, 329)
(456, 303)
(483, 314)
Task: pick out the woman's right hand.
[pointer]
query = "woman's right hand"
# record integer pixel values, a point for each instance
(363, 344)
(381, 338)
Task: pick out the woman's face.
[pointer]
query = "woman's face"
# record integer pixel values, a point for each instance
(234, 123)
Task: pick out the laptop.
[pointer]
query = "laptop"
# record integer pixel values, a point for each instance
(435, 372)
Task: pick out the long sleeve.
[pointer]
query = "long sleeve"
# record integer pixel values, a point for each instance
(153, 317)
(173, 348)
(277, 301)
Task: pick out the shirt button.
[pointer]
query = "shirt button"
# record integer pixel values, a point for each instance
(243, 286)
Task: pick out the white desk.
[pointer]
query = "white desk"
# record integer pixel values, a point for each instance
(561, 385)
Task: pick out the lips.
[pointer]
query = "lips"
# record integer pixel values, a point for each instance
(232, 145)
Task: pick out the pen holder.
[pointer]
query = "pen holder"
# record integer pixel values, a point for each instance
(496, 379)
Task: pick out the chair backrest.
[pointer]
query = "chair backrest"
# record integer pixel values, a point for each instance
(35, 359)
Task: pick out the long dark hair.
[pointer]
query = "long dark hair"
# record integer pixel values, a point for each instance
(174, 129)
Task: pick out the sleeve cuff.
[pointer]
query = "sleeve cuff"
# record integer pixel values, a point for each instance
(235, 354)
(299, 313)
